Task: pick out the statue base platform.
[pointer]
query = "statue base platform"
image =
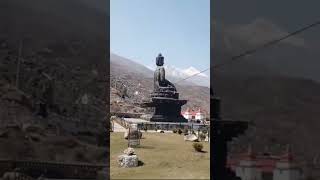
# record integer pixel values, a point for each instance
(161, 118)
(166, 109)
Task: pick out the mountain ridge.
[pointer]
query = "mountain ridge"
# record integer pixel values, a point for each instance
(173, 73)
(139, 78)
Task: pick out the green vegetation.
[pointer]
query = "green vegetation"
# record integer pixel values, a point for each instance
(165, 156)
(198, 147)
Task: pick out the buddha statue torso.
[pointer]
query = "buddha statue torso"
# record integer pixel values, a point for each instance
(161, 84)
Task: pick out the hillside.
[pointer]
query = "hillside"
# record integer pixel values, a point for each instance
(294, 57)
(276, 88)
(139, 79)
(280, 110)
(60, 41)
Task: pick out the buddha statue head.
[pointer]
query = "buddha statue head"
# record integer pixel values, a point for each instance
(160, 60)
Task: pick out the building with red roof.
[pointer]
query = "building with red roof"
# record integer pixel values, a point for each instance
(195, 116)
(249, 166)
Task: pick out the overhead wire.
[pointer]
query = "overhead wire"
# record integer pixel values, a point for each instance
(251, 51)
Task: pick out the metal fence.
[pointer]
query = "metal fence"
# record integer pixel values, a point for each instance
(195, 128)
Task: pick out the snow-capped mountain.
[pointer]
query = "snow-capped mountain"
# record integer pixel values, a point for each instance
(192, 70)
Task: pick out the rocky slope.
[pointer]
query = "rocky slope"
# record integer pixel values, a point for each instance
(276, 88)
(65, 40)
(280, 110)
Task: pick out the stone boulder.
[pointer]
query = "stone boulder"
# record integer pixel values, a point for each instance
(129, 151)
(133, 133)
(113, 118)
(128, 161)
(191, 137)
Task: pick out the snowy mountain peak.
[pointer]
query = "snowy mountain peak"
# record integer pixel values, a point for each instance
(173, 73)
(177, 73)
(192, 71)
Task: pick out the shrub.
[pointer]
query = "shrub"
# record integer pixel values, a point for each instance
(202, 136)
(185, 131)
(161, 131)
(179, 131)
(198, 147)
(174, 130)
(204, 131)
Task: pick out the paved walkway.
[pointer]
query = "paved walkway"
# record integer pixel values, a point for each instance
(135, 120)
(118, 128)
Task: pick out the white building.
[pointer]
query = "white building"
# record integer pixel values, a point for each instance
(187, 114)
(248, 168)
(266, 167)
(286, 169)
(197, 116)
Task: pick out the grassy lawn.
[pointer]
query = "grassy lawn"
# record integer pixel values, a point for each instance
(165, 156)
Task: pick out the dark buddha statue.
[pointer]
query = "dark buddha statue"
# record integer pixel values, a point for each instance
(165, 98)
(161, 84)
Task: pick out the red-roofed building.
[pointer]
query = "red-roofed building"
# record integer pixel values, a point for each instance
(249, 166)
(286, 168)
(196, 116)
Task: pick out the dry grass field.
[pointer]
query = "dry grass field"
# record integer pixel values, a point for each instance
(164, 156)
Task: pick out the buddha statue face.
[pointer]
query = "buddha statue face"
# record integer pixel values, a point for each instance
(160, 60)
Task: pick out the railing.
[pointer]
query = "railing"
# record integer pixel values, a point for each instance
(51, 169)
(166, 126)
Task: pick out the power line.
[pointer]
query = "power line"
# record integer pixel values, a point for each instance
(251, 51)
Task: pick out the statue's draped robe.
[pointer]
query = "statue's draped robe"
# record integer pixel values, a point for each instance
(160, 80)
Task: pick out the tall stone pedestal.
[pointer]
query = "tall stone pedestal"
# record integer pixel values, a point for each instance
(164, 98)
(166, 109)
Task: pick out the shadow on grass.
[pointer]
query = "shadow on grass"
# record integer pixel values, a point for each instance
(202, 152)
(144, 147)
(140, 163)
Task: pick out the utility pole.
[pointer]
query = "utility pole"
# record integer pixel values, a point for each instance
(18, 64)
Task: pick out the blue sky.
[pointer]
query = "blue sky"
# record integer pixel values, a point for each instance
(179, 29)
